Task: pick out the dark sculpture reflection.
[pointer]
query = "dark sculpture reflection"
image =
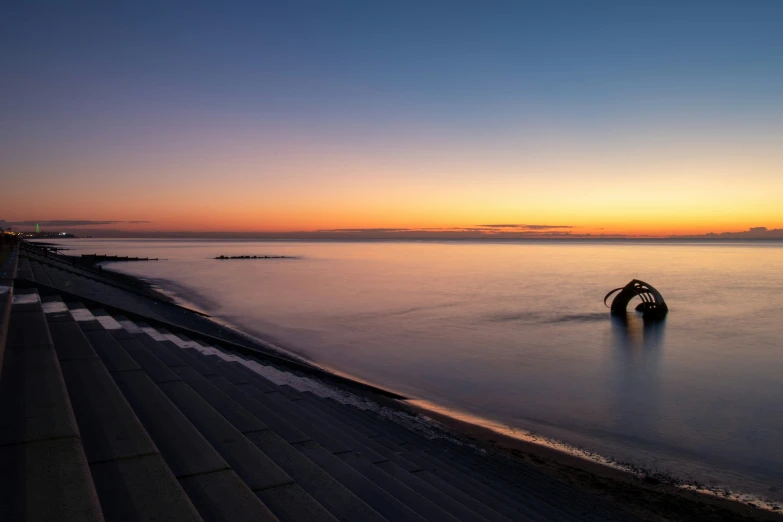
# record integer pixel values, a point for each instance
(637, 354)
(630, 332)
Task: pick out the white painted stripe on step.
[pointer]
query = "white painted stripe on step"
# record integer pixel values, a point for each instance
(26, 298)
(264, 372)
(131, 327)
(54, 307)
(176, 340)
(153, 333)
(297, 382)
(108, 322)
(4, 289)
(191, 345)
(226, 356)
(82, 314)
(182, 343)
(215, 351)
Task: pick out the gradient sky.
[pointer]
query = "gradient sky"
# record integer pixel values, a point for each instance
(608, 117)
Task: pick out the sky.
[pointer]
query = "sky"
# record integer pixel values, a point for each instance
(602, 117)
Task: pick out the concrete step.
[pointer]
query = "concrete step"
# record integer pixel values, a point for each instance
(336, 429)
(451, 485)
(6, 296)
(297, 418)
(47, 480)
(39, 274)
(337, 434)
(323, 454)
(35, 404)
(514, 479)
(252, 465)
(129, 472)
(446, 497)
(510, 503)
(45, 474)
(402, 486)
(243, 394)
(524, 482)
(337, 499)
(362, 431)
(185, 450)
(500, 502)
(23, 268)
(314, 481)
(141, 488)
(230, 428)
(511, 494)
(449, 498)
(304, 420)
(333, 495)
(379, 499)
(222, 496)
(291, 503)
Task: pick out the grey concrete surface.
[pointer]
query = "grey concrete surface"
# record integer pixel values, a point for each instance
(109, 428)
(34, 403)
(256, 469)
(141, 488)
(291, 504)
(47, 480)
(184, 448)
(223, 497)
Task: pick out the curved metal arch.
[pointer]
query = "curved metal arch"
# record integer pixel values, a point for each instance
(653, 305)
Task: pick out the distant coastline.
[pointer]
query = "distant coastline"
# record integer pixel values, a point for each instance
(238, 236)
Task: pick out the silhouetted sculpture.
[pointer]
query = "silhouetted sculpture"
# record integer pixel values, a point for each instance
(652, 306)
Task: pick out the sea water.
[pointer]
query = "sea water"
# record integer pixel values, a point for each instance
(515, 333)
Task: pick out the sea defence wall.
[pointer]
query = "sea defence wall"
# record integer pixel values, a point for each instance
(115, 405)
(108, 414)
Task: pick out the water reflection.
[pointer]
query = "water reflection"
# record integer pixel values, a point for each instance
(631, 333)
(637, 353)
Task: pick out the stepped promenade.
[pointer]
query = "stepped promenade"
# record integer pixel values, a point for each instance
(116, 404)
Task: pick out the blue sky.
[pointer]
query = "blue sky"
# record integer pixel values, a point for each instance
(87, 82)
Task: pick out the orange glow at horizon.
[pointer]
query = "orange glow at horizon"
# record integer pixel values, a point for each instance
(711, 187)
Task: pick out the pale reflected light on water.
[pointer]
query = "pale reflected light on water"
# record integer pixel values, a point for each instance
(516, 333)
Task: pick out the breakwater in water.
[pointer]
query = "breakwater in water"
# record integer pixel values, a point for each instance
(254, 257)
(102, 258)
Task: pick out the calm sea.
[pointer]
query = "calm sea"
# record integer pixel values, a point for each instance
(516, 333)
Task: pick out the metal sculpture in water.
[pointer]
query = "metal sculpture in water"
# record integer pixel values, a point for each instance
(652, 306)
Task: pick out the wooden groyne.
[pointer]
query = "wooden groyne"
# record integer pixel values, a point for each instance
(254, 257)
(99, 258)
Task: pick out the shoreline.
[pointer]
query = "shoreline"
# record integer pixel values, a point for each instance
(600, 476)
(647, 494)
